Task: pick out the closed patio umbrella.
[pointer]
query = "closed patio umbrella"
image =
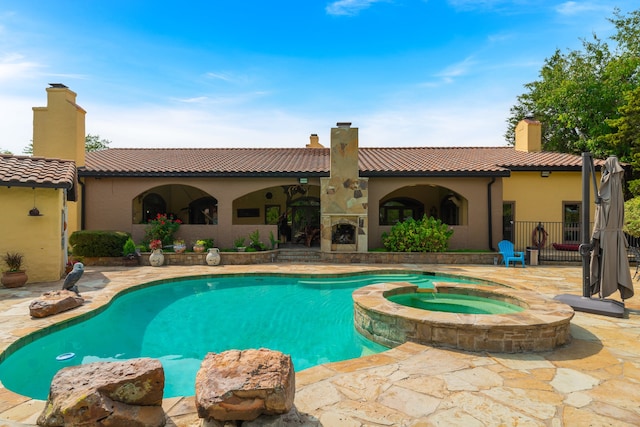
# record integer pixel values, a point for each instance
(609, 266)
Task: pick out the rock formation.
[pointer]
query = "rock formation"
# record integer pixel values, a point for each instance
(242, 385)
(127, 393)
(54, 302)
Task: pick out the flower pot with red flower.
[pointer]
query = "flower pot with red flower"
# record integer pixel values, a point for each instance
(156, 258)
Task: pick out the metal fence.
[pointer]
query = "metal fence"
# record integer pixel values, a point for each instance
(555, 241)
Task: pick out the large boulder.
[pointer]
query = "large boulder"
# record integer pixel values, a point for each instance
(242, 385)
(54, 302)
(107, 394)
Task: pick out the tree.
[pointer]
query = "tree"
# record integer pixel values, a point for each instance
(94, 143)
(626, 128)
(580, 93)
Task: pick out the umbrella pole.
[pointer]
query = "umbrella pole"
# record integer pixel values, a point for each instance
(585, 247)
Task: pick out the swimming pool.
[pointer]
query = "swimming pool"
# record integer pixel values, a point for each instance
(179, 322)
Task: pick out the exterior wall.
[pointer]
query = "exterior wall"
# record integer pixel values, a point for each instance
(473, 234)
(38, 238)
(541, 199)
(109, 204)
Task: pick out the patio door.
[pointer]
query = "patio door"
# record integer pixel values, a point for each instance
(571, 222)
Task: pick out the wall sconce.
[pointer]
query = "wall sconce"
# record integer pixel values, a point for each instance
(545, 174)
(303, 180)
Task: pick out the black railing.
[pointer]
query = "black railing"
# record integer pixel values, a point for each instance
(555, 241)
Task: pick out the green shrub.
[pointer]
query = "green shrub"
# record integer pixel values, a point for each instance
(426, 235)
(129, 247)
(90, 243)
(255, 243)
(632, 217)
(239, 242)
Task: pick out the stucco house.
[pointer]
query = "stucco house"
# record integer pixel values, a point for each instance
(340, 198)
(35, 194)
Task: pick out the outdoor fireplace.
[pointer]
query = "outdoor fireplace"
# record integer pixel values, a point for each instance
(344, 196)
(343, 235)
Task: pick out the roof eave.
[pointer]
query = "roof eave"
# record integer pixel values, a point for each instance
(129, 174)
(437, 174)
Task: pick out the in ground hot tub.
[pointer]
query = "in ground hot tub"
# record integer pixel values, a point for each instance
(542, 324)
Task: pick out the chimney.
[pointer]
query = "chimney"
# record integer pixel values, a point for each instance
(313, 141)
(344, 151)
(59, 128)
(529, 135)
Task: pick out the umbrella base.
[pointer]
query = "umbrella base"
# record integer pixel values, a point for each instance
(605, 307)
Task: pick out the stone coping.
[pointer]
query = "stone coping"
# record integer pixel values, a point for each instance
(543, 325)
(271, 256)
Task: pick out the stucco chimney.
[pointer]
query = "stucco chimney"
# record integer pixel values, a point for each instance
(59, 128)
(529, 135)
(314, 141)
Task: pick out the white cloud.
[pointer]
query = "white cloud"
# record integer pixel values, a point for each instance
(349, 7)
(219, 76)
(456, 70)
(14, 65)
(574, 8)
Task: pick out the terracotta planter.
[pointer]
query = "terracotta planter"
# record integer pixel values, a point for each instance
(14, 279)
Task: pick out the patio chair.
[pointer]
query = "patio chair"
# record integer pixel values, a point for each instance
(508, 254)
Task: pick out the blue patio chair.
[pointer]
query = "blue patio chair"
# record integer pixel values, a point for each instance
(508, 254)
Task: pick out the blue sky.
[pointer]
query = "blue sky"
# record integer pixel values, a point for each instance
(270, 73)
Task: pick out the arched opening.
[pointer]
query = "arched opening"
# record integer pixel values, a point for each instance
(184, 202)
(416, 201)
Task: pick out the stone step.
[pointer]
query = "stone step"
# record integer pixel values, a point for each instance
(298, 256)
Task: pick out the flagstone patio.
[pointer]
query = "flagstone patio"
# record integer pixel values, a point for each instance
(595, 380)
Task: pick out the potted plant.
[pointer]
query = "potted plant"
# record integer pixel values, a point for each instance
(239, 244)
(156, 258)
(13, 277)
(199, 246)
(179, 246)
(130, 253)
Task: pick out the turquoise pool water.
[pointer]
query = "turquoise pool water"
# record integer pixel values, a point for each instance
(180, 322)
(454, 303)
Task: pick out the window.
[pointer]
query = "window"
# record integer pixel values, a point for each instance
(271, 214)
(571, 222)
(152, 205)
(450, 210)
(397, 210)
(248, 212)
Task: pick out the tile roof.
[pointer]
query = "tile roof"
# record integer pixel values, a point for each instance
(388, 161)
(38, 172)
